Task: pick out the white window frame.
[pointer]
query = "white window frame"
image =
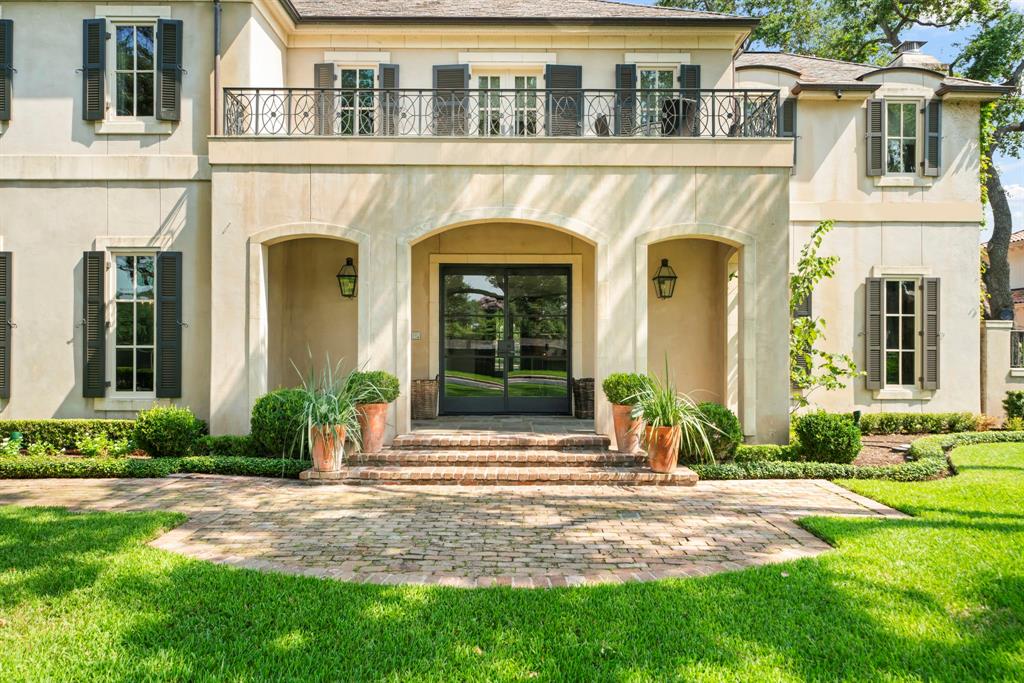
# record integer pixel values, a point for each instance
(111, 115)
(506, 81)
(903, 101)
(916, 384)
(111, 335)
(648, 119)
(374, 68)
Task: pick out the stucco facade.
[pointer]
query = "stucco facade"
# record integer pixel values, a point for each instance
(263, 220)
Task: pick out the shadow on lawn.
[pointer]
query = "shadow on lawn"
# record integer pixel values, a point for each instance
(824, 618)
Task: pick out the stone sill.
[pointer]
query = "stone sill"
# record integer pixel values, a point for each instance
(128, 405)
(1016, 372)
(141, 127)
(903, 394)
(903, 181)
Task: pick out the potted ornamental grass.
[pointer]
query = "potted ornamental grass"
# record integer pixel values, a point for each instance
(375, 391)
(329, 416)
(672, 422)
(622, 390)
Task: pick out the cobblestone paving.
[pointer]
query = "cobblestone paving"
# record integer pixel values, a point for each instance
(531, 536)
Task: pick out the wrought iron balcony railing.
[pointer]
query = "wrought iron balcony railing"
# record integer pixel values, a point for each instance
(500, 113)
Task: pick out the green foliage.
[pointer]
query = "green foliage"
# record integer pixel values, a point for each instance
(725, 433)
(746, 453)
(811, 368)
(1013, 404)
(10, 446)
(625, 388)
(1014, 424)
(99, 445)
(918, 423)
(660, 405)
(64, 434)
(167, 431)
(40, 448)
(374, 386)
(45, 467)
(329, 400)
(227, 445)
(828, 437)
(277, 423)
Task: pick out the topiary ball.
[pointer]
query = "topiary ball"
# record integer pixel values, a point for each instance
(828, 437)
(726, 433)
(167, 431)
(277, 422)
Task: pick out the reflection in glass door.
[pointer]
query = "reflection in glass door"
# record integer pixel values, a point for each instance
(506, 339)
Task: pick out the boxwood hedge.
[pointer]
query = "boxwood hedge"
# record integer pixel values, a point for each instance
(42, 467)
(65, 434)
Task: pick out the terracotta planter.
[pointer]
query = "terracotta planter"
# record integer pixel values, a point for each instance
(372, 421)
(627, 429)
(327, 448)
(663, 448)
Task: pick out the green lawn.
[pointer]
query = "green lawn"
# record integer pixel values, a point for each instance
(937, 597)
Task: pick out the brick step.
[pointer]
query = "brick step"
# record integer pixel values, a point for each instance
(523, 457)
(467, 440)
(499, 476)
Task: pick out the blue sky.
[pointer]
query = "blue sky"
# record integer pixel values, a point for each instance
(943, 44)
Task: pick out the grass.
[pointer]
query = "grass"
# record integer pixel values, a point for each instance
(936, 597)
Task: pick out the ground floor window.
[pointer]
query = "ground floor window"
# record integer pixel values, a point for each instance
(900, 315)
(134, 322)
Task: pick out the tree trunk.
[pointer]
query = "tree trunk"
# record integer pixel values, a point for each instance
(997, 275)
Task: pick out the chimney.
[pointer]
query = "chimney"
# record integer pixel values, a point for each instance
(909, 54)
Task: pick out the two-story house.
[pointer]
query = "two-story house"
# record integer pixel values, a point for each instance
(194, 196)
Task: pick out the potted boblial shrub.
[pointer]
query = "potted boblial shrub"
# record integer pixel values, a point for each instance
(672, 422)
(329, 415)
(623, 389)
(375, 390)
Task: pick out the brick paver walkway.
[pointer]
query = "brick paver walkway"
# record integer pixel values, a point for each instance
(470, 536)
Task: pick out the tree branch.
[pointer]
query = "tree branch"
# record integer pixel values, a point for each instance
(1014, 78)
(1002, 131)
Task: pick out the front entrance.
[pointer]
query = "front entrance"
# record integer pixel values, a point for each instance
(506, 339)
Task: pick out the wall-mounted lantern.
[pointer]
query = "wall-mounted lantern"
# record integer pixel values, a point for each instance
(665, 281)
(347, 278)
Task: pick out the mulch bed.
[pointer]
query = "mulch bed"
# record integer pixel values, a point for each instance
(880, 449)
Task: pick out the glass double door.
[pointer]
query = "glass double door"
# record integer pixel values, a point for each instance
(506, 339)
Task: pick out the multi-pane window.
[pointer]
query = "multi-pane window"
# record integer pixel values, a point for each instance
(655, 95)
(900, 315)
(489, 105)
(502, 112)
(901, 137)
(356, 111)
(134, 74)
(526, 105)
(134, 287)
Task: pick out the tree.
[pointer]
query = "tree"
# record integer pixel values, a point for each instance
(811, 368)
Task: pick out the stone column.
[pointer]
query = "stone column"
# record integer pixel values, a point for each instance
(997, 377)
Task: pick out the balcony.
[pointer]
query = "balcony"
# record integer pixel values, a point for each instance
(516, 114)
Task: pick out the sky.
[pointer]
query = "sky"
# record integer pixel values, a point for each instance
(942, 43)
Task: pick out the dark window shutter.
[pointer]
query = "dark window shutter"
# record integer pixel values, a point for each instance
(168, 69)
(168, 324)
(689, 76)
(564, 111)
(689, 84)
(94, 328)
(803, 310)
(933, 138)
(94, 68)
(323, 81)
(6, 327)
(387, 82)
(876, 137)
(6, 67)
(625, 99)
(930, 331)
(873, 332)
(787, 123)
(451, 99)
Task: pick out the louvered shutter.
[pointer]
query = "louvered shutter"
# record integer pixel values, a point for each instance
(930, 331)
(873, 332)
(168, 69)
(564, 111)
(94, 328)
(875, 137)
(168, 324)
(323, 81)
(689, 86)
(787, 123)
(933, 138)
(803, 310)
(625, 99)
(451, 99)
(6, 326)
(94, 67)
(6, 67)
(387, 79)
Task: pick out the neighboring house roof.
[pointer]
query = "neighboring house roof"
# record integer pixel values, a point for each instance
(819, 72)
(1017, 237)
(537, 11)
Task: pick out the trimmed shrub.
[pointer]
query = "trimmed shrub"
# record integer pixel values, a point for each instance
(746, 453)
(623, 388)
(45, 467)
(64, 434)
(41, 448)
(167, 431)
(277, 422)
(1014, 424)
(377, 386)
(828, 437)
(98, 445)
(726, 434)
(227, 445)
(1013, 404)
(918, 423)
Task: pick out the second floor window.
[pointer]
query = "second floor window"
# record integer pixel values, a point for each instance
(502, 112)
(901, 137)
(135, 70)
(655, 95)
(356, 111)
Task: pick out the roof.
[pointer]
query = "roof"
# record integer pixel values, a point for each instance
(536, 11)
(818, 70)
(1017, 237)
